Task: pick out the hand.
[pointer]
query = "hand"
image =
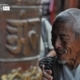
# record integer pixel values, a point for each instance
(46, 74)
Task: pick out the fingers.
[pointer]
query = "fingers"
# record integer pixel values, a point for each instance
(42, 67)
(44, 78)
(46, 73)
(47, 76)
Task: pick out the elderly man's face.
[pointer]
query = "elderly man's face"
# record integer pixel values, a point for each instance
(65, 43)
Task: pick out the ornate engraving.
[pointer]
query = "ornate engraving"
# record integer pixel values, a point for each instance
(19, 36)
(12, 39)
(33, 73)
(33, 37)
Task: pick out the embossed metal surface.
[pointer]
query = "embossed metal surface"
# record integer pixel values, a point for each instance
(19, 38)
(21, 2)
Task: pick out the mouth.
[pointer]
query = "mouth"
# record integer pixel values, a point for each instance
(62, 55)
(61, 52)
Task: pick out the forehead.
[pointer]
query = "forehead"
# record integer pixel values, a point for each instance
(61, 27)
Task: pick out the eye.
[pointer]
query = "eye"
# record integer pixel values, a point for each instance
(64, 37)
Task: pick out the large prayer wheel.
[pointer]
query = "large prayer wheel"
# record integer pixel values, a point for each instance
(19, 40)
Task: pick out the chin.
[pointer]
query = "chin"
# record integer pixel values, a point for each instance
(62, 61)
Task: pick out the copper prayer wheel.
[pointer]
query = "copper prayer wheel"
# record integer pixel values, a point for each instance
(19, 40)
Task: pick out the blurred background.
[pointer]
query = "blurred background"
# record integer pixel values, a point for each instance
(52, 7)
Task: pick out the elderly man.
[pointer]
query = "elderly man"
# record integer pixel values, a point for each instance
(66, 42)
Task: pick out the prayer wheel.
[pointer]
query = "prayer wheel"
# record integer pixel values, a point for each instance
(20, 26)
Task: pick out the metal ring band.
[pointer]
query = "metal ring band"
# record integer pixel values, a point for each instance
(20, 59)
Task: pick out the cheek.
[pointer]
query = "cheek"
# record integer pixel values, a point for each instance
(71, 50)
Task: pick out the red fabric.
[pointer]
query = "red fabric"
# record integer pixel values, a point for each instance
(51, 10)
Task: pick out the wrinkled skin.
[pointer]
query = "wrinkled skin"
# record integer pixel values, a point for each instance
(46, 74)
(66, 45)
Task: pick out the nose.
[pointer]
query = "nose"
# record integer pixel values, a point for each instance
(58, 43)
